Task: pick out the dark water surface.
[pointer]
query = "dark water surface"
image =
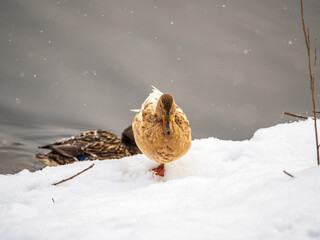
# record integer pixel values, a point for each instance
(70, 65)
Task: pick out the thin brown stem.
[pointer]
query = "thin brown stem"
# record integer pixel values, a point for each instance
(313, 99)
(295, 115)
(67, 179)
(306, 38)
(315, 59)
(311, 76)
(303, 25)
(288, 174)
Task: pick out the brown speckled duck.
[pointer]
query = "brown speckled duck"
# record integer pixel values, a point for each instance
(161, 129)
(89, 145)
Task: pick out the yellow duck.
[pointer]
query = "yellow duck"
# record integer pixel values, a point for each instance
(89, 145)
(161, 130)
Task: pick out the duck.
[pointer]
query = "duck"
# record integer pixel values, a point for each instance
(161, 130)
(89, 145)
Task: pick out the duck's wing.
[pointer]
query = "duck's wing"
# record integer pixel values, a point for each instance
(59, 142)
(89, 142)
(96, 135)
(70, 150)
(103, 144)
(68, 147)
(182, 121)
(100, 150)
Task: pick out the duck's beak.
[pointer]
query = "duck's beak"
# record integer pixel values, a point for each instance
(167, 123)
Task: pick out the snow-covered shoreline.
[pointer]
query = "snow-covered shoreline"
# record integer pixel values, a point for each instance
(219, 190)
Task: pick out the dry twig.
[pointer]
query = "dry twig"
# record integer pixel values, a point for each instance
(295, 115)
(67, 179)
(288, 174)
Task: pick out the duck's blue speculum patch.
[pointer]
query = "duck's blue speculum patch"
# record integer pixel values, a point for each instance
(83, 157)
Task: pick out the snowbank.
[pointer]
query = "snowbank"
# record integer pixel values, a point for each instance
(219, 190)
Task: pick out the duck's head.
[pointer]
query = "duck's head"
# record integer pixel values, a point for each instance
(166, 110)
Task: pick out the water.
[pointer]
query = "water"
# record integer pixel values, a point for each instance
(68, 66)
(20, 141)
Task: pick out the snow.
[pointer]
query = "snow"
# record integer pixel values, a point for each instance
(219, 190)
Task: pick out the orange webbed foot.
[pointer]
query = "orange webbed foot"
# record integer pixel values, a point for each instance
(159, 171)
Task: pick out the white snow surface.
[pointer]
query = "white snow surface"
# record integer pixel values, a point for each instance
(219, 190)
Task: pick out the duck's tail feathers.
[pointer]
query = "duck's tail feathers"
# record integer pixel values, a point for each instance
(154, 96)
(156, 90)
(45, 160)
